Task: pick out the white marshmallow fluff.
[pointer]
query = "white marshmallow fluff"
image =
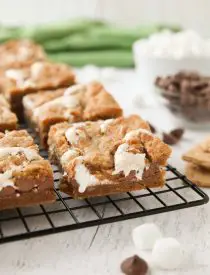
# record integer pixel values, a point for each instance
(15, 74)
(29, 153)
(75, 89)
(145, 236)
(37, 69)
(127, 162)
(65, 101)
(6, 177)
(74, 134)
(68, 155)
(83, 176)
(168, 253)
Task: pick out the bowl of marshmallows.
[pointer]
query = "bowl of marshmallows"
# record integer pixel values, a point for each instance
(167, 53)
(178, 64)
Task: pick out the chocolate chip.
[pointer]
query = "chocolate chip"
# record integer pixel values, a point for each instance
(134, 266)
(177, 133)
(169, 139)
(152, 128)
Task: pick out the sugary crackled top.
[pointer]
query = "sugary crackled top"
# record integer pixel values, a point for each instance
(16, 53)
(93, 152)
(39, 75)
(17, 152)
(78, 102)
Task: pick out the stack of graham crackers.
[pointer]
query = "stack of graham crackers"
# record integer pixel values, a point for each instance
(198, 164)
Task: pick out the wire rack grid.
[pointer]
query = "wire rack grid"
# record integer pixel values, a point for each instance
(69, 214)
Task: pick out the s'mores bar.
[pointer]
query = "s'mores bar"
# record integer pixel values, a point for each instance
(25, 177)
(20, 53)
(41, 75)
(77, 103)
(8, 120)
(106, 157)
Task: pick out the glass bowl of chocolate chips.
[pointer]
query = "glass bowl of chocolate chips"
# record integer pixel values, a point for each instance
(187, 94)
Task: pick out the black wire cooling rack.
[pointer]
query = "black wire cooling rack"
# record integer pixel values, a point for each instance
(69, 214)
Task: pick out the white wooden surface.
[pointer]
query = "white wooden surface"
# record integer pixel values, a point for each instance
(99, 251)
(191, 14)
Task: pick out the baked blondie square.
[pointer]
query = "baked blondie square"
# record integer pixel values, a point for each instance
(77, 103)
(42, 75)
(20, 53)
(106, 157)
(25, 177)
(8, 120)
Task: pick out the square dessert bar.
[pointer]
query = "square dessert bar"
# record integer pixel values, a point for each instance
(42, 75)
(106, 157)
(25, 177)
(77, 103)
(20, 53)
(8, 120)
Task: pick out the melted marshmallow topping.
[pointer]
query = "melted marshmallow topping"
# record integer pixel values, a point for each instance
(126, 162)
(6, 177)
(75, 89)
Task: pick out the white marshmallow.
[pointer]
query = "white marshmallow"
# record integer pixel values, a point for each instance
(6, 179)
(127, 162)
(75, 89)
(83, 176)
(15, 74)
(178, 45)
(167, 253)
(29, 153)
(69, 155)
(145, 236)
(89, 73)
(108, 74)
(37, 69)
(74, 134)
(69, 101)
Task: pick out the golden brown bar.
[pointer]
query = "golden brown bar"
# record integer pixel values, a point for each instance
(25, 177)
(41, 75)
(105, 157)
(20, 53)
(77, 103)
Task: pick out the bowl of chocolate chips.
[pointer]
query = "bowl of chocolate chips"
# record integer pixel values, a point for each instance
(187, 94)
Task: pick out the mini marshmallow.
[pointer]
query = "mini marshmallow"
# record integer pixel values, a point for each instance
(89, 73)
(108, 74)
(167, 253)
(178, 45)
(145, 236)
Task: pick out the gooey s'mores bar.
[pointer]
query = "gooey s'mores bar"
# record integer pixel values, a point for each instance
(8, 120)
(41, 75)
(77, 103)
(105, 157)
(25, 177)
(20, 53)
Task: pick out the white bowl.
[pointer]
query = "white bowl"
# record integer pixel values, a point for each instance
(149, 67)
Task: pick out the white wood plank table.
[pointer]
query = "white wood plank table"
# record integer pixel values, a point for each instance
(100, 250)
